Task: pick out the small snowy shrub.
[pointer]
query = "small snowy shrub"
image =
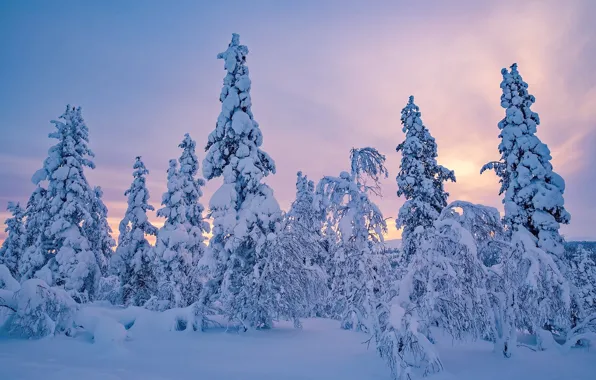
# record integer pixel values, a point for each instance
(41, 311)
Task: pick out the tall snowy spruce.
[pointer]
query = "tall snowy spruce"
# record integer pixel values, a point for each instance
(72, 264)
(244, 211)
(420, 179)
(533, 192)
(537, 293)
(173, 262)
(357, 284)
(14, 246)
(196, 225)
(133, 261)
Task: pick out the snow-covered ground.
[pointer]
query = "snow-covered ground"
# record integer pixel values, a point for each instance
(320, 351)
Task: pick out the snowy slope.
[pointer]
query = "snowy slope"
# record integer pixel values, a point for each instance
(320, 351)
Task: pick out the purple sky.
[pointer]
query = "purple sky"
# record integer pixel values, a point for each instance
(327, 76)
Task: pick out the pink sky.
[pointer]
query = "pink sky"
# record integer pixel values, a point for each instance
(322, 85)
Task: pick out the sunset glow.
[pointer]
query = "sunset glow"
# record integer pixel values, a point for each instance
(320, 87)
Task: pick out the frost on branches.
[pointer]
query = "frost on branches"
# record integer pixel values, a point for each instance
(244, 211)
(420, 179)
(133, 261)
(73, 264)
(533, 192)
(13, 247)
(356, 285)
(173, 261)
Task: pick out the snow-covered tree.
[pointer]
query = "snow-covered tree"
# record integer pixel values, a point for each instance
(133, 261)
(73, 264)
(244, 211)
(14, 246)
(99, 231)
(534, 292)
(582, 270)
(303, 209)
(420, 179)
(484, 223)
(404, 348)
(288, 285)
(445, 285)
(39, 311)
(173, 261)
(533, 192)
(357, 284)
(37, 244)
(196, 224)
(534, 209)
(305, 213)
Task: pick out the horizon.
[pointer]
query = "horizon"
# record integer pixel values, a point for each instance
(144, 77)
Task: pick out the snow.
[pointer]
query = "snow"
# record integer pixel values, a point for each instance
(321, 350)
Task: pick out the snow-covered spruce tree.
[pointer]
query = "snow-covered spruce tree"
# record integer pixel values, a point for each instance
(196, 224)
(244, 211)
(73, 264)
(99, 231)
(37, 244)
(173, 262)
(534, 209)
(420, 178)
(133, 261)
(357, 284)
(14, 246)
(305, 213)
(533, 192)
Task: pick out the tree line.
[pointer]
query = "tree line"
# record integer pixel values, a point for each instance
(462, 267)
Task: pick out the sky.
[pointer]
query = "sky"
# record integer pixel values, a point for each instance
(326, 76)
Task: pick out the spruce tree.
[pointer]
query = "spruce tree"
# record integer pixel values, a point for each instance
(537, 294)
(14, 246)
(533, 192)
(72, 263)
(244, 210)
(196, 224)
(304, 213)
(173, 261)
(420, 178)
(133, 261)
